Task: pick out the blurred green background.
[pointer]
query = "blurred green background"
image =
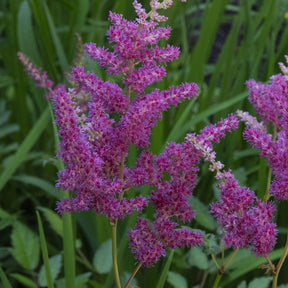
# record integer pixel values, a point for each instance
(223, 44)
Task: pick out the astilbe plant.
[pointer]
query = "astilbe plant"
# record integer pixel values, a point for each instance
(99, 120)
(271, 103)
(94, 145)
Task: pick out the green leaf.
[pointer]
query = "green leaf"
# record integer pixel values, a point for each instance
(196, 257)
(6, 218)
(102, 260)
(4, 279)
(244, 262)
(262, 282)
(242, 285)
(80, 281)
(55, 38)
(8, 129)
(25, 33)
(24, 148)
(55, 264)
(26, 246)
(40, 183)
(176, 280)
(165, 270)
(54, 220)
(27, 282)
(124, 277)
(203, 217)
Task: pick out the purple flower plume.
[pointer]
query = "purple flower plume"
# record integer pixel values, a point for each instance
(170, 197)
(271, 103)
(245, 220)
(98, 121)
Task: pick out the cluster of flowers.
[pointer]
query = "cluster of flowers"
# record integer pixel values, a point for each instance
(271, 103)
(247, 221)
(98, 121)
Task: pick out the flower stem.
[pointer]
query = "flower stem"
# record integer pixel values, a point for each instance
(217, 280)
(223, 268)
(269, 178)
(114, 254)
(280, 263)
(215, 261)
(133, 275)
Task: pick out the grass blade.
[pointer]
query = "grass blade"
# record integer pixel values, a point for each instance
(177, 132)
(44, 252)
(165, 270)
(24, 148)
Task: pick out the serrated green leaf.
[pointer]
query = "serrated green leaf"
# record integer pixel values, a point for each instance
(54, 220)
(55, 263)
(24, 280)
(196, 257)
(203, 217)
(102, 260)
(26, 246)
(262, 282)
(176, 280)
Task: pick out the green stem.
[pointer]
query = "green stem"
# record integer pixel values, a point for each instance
(215, 261)
(69, 250)
(114, 254)
(269, 178)
(223, 268)
(280, 263)
(267, 193)
(133, 275)
(217, 280)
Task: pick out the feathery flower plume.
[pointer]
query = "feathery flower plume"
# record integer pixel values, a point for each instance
(98, 121)
(238, 211)
(271, 103)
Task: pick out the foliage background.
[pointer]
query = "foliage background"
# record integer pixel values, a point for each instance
(223, 44)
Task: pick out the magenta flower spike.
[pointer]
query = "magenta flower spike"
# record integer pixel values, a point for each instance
(238, 211)
(98, 121)
(271, 102)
